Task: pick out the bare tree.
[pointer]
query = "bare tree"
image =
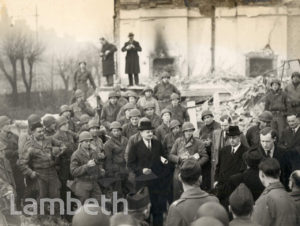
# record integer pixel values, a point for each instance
(65, 67)
(9, 53)
(30, 54)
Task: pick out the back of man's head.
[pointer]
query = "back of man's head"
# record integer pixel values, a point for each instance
(270, 167)
(205, 221)
(190, 171)
(214, 210)
(241, 201)
(120, 219)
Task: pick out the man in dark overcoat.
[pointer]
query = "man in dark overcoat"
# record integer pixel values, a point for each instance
(230, 162)
(147, 160)
(132, 48)
(108, 64)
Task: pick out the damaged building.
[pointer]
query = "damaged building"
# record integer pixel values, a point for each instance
(191, 38)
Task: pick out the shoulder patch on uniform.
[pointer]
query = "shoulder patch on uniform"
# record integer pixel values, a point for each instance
(178, 201)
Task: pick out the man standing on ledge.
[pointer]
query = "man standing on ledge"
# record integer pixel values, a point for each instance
(81, 76)
(132, 59)
(108, 64)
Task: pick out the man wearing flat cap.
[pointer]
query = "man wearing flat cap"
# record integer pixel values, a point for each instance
(230, 162)
(132, 67)
(183, 211)
(147, 160)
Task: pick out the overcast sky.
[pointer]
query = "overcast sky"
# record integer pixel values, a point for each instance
(85, 20)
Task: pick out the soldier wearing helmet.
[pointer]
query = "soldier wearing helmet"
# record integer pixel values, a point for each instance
(86, 169)
(123, 116)
(81, 106)
(179, 112)
(186, 147)
(150, 114)
(147, 97)
(265, 119)
(110, 109)
(276, 103)
(97, 144)
(164, 128)
(115, 164)
(39, 160)
(84, 120)
(49, 124)
(164, 90)
(81, 77)
(69, 139)
(131, 127)
(67, 112)
(292, 91)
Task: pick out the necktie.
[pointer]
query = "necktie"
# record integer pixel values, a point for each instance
(232, 151)
(149, 145)
(269, 154)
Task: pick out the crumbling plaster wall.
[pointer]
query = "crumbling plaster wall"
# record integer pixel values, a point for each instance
(186, 35)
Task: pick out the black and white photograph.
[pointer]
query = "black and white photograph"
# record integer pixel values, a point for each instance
(149, 112)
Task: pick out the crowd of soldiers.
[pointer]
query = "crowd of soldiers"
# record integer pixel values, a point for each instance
(146, 149)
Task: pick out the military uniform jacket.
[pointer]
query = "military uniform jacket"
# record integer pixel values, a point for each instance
(81, 78)
(276, 101)
(7, 182)
(155, 120)
(190, 147)
(115, 155)
(79, 168)
(169, 141)
(275, 207)
(293, 97)
(143, 101)
(109, 113)
(164, 91)
(179, 112)
(183, 211)
(128, 130)
(39, 156)
(162, 131)
(82, 108)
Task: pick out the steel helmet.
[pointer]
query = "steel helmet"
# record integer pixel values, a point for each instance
(134, 113)
(93, 124)
(85, 135)
(166, 110)
(187, 126)
(61, 121)
(174, 123)
(84, 119)
(149, 105)
(48, 121)
(113, 94)
(266, 116)
(64, 108)
(115, 125)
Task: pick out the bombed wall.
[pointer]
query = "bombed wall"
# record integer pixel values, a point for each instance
(180, 39)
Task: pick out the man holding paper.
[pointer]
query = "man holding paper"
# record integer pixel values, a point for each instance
(186, 147)
(147, 160)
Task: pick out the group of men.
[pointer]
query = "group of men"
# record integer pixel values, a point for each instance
(145, 146)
